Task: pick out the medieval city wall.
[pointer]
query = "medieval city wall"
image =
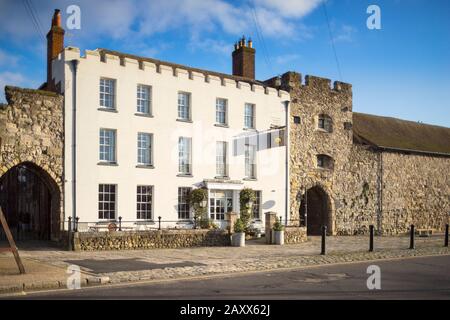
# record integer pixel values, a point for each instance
(390, 190)
(32, 133)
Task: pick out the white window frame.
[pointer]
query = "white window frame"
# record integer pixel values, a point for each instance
(141, 150)
(217, 203)
(101, 203)
(184, 106)
(144, 99)
(184, 214)
(142, 207)
(185, 155)
(107, 93)
(107, 152)
(221, 159)
(221, 103)
(249, 119)
(250, 161)
(257, 205)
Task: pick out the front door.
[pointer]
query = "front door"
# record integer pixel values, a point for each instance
(220, 202)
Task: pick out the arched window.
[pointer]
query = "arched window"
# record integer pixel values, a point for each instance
(324, 161)
(325, 123)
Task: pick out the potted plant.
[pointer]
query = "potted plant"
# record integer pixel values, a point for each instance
(238, 237)
(278, 230)
(198, 201)
(247, 197)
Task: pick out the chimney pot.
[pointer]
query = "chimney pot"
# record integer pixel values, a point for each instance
(244, 59)
(55, 45)
(56, 21)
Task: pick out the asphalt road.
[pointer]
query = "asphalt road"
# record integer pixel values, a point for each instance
(416, 278)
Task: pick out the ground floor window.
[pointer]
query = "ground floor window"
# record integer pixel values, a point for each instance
(144, 202)
(184, 209)
(220, 202)
(107, 201)
(257, 206)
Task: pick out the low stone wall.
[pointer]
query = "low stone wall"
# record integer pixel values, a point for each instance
(294, 235)
(131, 240)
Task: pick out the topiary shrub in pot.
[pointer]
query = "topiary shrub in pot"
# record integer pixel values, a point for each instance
(238, 237)
(198, 200)
(278, 230)
(247, 198)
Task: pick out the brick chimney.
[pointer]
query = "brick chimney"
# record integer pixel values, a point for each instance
(244, 59)
(55, 45)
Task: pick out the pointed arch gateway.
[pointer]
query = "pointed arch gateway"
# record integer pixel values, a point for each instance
(31, 202)
(315, 211)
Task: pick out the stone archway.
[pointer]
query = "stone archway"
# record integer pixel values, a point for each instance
(30, 200)
(32, 147)
(315, 211)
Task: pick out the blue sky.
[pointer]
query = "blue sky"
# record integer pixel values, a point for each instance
(402, 70)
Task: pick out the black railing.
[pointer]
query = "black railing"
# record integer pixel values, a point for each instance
(119, 224)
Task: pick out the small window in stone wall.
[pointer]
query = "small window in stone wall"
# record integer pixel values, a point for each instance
(296, 120)
(348, 125)
(324, 161)
(325, 123)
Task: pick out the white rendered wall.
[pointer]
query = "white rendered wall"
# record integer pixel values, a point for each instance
(270, 110)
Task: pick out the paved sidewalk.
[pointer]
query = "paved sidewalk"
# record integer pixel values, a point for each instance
(161, 264)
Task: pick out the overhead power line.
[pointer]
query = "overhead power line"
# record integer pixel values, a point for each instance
(261, 37)
(33, 18)
(332, 40)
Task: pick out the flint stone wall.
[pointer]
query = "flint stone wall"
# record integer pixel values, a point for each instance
(154, 239)
(32, 132)
(294, 235)
(366, 185)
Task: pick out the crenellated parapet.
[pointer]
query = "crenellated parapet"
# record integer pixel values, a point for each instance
(163, 68)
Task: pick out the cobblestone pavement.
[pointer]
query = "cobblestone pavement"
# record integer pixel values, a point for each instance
(160, 264)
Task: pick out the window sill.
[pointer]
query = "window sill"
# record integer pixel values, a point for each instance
(222, 177)
(185, 175)
(322, 169)
(250, 129)
(107, 110)
(250, 179)
(184, 222)
(220, 125)
(145, 115)
(110, 164)
(322, 130)
(145, 166)
(184, 120)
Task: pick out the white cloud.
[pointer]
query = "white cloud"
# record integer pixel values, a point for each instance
(119, 19)
(345, 34)
(287, 58)
(290, 8)
(8, 60)
(11, 79)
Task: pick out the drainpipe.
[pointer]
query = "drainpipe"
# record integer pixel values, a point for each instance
(74, 138)
(288, 188)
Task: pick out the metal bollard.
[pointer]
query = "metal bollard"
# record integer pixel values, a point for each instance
(159, 223)
(324, 234)
(76, 224)
(411, 237)
(69, 227)
(120, 223)
(446, 236)
(371, 238)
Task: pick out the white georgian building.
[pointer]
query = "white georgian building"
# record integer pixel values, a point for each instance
(140, 133)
